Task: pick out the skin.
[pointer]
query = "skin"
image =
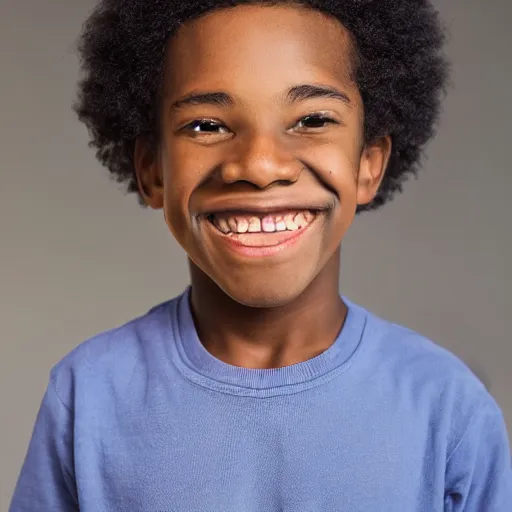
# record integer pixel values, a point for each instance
(262, 151)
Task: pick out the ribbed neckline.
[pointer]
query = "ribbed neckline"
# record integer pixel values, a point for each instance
(198, 365)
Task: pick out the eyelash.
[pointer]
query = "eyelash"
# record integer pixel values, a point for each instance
(198, 122)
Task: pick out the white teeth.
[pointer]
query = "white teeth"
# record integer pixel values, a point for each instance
(254, 225)
(290, 225)
(243, 225)
(232, 224)
(280, 224)
(223, 225)
(267, 224)
(300, 220)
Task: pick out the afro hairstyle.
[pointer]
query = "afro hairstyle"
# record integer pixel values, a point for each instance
(401, 73)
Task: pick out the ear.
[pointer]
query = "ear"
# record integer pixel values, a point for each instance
(372, 167)
(149, 174)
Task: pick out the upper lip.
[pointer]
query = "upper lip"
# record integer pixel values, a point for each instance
(260, 205)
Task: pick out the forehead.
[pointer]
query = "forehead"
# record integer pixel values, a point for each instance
(266, 46)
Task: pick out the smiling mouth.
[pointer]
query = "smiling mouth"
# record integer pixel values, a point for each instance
(252, 223)
(255, 234)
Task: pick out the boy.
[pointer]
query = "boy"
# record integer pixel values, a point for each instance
(260, 129)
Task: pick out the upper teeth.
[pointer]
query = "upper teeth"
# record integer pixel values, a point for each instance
(266, 223)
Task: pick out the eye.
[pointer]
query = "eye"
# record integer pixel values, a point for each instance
(205, 126)
(315, 121)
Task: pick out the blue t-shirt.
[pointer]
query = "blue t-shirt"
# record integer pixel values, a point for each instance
(144, 419)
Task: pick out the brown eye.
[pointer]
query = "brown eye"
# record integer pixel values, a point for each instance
(315, 121)
(205, 126)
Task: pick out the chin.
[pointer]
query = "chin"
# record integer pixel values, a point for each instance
(262, 294)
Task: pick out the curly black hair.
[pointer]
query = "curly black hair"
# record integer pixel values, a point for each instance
(401, 74)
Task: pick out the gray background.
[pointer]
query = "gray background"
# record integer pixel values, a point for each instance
(79, 257)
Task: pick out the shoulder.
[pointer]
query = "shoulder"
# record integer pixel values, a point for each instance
(111, 355)
(397, 344)
(416, 356)
(422, 376)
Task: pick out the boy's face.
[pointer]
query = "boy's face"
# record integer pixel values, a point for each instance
(260, 181)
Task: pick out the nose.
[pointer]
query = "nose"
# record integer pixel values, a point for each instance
(261, 160)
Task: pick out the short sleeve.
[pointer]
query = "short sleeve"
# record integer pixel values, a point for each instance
(46, 481)
(479, 470)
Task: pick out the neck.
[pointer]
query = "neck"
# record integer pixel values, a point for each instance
(268, 337)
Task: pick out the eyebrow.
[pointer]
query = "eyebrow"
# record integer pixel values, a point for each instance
(220, 99)
(295, 94)
(309, 91)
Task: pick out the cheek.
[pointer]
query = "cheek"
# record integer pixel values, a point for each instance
(177, 190)
(337, 165)
(185, 170)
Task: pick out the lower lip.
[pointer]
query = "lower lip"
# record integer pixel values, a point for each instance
(264, 250)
